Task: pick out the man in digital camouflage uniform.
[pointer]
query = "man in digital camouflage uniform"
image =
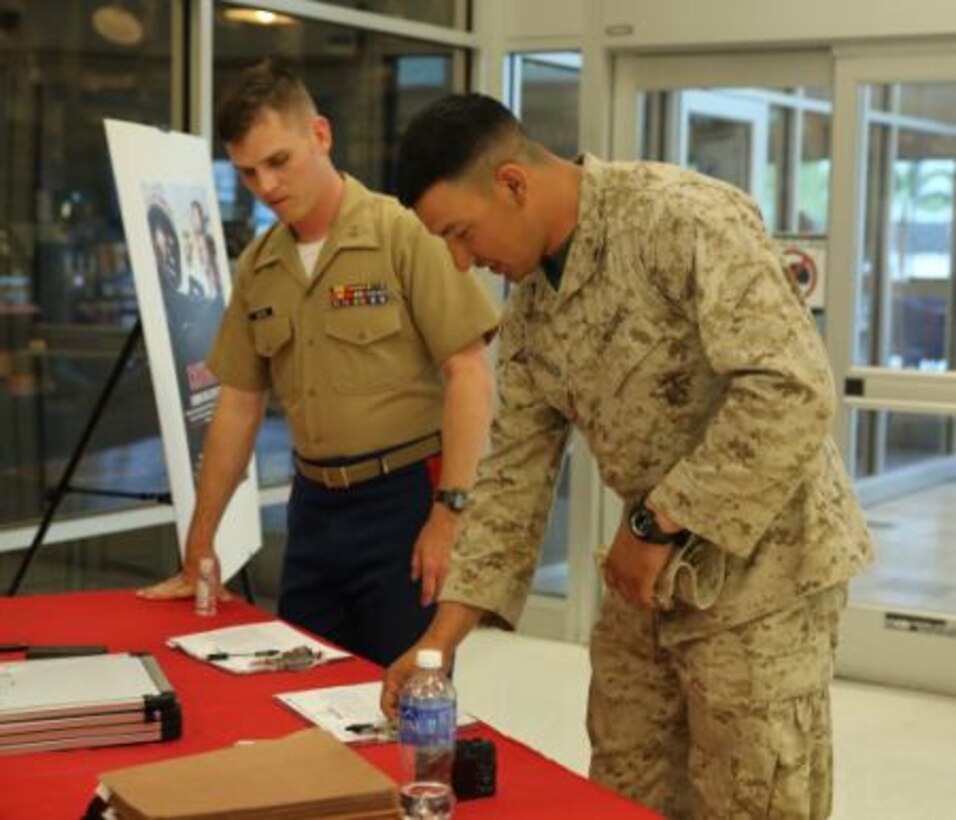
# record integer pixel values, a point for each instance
(652, 312)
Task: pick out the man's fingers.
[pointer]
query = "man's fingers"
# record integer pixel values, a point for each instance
(434, 572)
(428, 587)
(416, 563)
(179, 586)
(390, 703)
(176, 587)
(389, 699)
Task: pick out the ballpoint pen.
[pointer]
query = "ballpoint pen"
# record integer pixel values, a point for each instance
(380, 731)
(225, 656)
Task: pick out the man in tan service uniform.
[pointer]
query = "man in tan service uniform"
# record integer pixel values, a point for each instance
(652, 312)
(373, 343)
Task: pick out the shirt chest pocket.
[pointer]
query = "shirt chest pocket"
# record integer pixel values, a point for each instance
(271, 338)
(271, 335)
(367, 349)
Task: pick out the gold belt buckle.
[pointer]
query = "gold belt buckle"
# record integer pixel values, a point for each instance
(329, 478)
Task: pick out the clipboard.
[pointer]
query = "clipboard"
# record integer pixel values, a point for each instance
(85, 701)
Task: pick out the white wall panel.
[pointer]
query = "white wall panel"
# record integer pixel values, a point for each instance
(693, 23)
(544, 18)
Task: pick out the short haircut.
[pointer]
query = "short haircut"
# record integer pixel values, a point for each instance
(268, 84)
(447, 138)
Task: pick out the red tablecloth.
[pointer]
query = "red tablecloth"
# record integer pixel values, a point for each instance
(220, 708)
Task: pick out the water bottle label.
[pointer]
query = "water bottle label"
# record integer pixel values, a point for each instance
(427, 723)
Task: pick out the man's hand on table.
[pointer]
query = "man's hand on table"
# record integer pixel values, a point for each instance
(451, 624)
(181, 585)
(395, 677)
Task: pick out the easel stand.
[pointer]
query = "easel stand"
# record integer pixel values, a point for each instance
(63, 485)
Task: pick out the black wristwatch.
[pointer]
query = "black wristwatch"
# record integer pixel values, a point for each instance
(643, 525)
(454, 499)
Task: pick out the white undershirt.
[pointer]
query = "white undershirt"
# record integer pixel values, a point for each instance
(309, 254)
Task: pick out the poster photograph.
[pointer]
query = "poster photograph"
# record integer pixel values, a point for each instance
(180, 268)
(188, 271)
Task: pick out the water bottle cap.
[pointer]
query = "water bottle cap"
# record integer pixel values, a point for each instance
(428, 659)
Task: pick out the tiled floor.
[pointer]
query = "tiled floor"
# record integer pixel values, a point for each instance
(895, 750)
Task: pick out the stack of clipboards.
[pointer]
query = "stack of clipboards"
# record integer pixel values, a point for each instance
(80, 702)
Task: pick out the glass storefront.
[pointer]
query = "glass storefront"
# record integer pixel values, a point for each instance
(67, 301)
(66, 289)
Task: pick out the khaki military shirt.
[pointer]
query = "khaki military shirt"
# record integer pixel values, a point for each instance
(352, 353)
(680, 349)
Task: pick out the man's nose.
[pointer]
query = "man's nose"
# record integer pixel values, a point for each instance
(268, 181)
(461, 256)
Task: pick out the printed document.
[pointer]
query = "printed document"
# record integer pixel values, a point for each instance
(349, 713)
(256, 647)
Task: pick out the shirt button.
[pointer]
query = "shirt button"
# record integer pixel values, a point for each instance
(311, 391)
(311, 342)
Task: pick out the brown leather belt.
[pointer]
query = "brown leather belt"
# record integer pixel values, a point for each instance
(347, 475)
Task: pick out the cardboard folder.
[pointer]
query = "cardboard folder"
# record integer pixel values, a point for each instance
(308, 774)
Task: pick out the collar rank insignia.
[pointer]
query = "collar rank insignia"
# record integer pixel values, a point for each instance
(358, 295)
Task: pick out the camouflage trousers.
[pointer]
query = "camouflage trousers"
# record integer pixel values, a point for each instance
(734, 725)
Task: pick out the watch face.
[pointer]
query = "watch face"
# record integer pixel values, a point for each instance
(455, 500)
(642, 522)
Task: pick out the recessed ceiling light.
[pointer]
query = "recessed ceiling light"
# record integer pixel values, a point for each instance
(258, 17)
(118, 25)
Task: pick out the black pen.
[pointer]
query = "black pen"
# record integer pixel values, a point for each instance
(376, 729)
(225, 656)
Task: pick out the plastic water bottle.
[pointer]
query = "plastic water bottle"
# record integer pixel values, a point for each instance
(207, 587)
(426, 738)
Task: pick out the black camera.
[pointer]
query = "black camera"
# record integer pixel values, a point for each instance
(475, 769)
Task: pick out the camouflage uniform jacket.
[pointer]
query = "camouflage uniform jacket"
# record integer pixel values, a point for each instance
(678, 347)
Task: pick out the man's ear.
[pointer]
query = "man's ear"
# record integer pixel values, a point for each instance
(514, 179)
(323, 132)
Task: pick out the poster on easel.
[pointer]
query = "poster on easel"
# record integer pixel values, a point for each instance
(178, 253)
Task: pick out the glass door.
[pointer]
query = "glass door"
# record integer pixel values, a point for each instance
(893, 347)
(543, 88)
(758, 121)
(878, 208)
(723, 134)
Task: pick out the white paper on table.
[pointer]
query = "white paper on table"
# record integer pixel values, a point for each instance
(335, 708)
(246, 639)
